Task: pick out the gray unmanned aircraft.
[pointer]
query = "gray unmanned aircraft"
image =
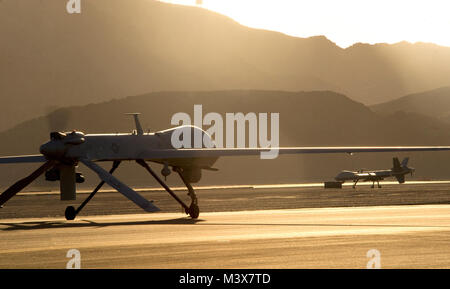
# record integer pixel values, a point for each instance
(398, 171)
(62, 153)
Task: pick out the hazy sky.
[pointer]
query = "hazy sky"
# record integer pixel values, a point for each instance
(343, 21)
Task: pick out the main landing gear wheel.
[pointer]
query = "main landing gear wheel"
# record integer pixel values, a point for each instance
(194, 211)
(70, 213)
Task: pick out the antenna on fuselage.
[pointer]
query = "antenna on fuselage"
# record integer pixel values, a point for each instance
(139, 130)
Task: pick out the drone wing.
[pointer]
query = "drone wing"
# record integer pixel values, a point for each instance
(222, 152)
(23, 159)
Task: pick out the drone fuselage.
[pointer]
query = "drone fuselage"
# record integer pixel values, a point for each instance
(120, 146)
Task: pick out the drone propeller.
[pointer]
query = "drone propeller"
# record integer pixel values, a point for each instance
(21, 184)
(59, 143)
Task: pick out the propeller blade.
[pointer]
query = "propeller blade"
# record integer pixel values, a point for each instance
(21, 184)
(121, 187)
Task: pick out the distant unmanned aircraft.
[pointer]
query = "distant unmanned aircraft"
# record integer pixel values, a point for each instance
(64, 151)
(398, 171)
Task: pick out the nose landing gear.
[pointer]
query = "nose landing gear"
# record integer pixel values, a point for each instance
(71, 212)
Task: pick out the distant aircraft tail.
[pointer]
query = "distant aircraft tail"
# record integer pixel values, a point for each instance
(396, 165)
(399, 169)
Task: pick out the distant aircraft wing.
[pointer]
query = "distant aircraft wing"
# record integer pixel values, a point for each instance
(223, 152)
(159, 154)
(23, 159)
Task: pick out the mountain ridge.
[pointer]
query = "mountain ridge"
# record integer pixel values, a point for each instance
(113, 49)
(433, 103)
(317, 118)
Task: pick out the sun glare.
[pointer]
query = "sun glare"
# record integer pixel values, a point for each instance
(344, 22)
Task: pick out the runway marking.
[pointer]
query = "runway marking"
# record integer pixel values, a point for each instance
(348, 184)
(225, 187)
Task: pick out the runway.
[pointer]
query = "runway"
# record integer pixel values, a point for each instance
(406, 237)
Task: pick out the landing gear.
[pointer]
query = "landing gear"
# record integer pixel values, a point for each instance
(71, 213)
(378, 183)
(354, 183)
(193, 210)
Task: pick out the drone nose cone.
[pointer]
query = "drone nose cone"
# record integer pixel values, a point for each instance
(52, 149)
(45, 149)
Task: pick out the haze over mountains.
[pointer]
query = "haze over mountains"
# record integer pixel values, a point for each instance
(116, 48)
(434, 103)
(320, 118)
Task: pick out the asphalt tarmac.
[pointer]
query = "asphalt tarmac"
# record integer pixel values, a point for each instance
(240, 227)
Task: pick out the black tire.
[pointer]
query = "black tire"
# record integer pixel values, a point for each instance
(70, 213)
(194, 211)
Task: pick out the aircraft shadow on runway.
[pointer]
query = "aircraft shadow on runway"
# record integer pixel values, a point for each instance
(87, 223)
(182, 221)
